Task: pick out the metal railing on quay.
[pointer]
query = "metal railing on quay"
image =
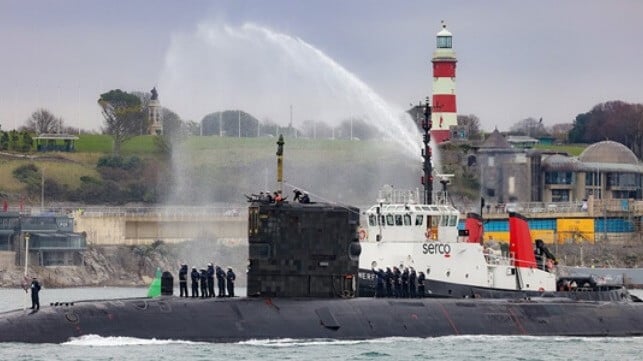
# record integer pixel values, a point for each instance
(166, 211)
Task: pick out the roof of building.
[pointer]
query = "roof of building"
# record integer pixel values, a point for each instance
(444, 32)
(521, 139)
(608, 152)
(495, 140)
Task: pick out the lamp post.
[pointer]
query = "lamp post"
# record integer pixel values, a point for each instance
(26, 279)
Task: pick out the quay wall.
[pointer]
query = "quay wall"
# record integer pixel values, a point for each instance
(125, 226)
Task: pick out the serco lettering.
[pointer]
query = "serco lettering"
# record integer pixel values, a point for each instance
(436, 248)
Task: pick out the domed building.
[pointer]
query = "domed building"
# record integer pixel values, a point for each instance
(605, 170)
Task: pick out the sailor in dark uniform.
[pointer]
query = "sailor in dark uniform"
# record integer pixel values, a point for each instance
(204, 283)
(388, 279)
(230, 277)
(412, 282)
(183, 281)
(542, 255)
(397, 284)
(195, 276)
(220, 273)
(210, 280)
(421, 278)
(35, 300)
(405, 283)
(379, 282)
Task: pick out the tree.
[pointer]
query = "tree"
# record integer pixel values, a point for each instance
(316, 129)
(174, 131)
(529, 127)
(192, 127)
(614, 120)
(561, 131)
(232, 121)
(145, 98)
(42, 121)
(471, 124)
(122, 112)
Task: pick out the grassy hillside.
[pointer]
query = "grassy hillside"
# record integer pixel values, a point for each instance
(207, 169)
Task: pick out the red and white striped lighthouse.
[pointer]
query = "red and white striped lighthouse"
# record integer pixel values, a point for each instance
(444, 114)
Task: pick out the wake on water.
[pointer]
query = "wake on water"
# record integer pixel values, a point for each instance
(99, 341)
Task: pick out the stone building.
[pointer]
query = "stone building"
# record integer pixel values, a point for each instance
(605, 170)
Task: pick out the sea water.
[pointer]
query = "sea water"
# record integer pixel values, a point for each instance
(439, 348)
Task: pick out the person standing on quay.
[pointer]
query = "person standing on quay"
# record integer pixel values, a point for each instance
(35, 289)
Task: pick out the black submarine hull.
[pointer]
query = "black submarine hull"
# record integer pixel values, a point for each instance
(241, 319)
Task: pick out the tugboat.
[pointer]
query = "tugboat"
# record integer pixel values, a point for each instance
(404, 233)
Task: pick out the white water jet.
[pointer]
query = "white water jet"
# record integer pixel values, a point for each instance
(263, 72)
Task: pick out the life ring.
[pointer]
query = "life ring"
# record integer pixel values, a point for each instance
(541, 289)
(362, 234)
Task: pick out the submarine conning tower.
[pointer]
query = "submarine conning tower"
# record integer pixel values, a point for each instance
(301, 249)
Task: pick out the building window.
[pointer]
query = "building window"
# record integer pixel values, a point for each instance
(560, 195)
(624, 194)
(592, 178)
(558, 178)
(629, 180)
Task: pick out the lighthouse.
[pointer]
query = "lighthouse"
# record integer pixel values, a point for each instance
(444, 114)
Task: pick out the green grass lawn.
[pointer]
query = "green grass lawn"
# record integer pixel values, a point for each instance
(573, 150)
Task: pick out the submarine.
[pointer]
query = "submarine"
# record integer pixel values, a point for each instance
(302, 275)
(303, 262)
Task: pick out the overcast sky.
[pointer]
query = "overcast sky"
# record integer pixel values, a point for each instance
(516, 59)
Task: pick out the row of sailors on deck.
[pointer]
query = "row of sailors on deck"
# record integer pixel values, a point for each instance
(205, 279)
(399, 284)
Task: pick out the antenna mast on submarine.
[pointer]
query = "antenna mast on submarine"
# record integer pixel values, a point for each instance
(280, 163)
(427, 177)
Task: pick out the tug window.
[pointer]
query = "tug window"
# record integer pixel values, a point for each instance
(407, 219)
(382, 221)
(389, 219)
(444, 221)
(398, 219)
(418, 220)
(452, 221)
(372, 220)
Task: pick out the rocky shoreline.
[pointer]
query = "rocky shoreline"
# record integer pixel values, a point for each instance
(130, 266)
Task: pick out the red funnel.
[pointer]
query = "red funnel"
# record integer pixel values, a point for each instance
(473, 224)
(520, 244)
